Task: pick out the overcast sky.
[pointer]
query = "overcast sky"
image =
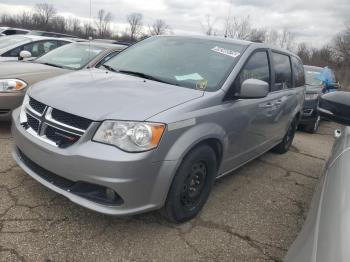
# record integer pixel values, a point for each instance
(314, 22)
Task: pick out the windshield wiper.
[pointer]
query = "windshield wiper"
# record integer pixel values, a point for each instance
(143, 75)
(109, 68)
(54, 65)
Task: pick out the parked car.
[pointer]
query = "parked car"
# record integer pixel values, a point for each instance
(19, 47)
(12, 31)
(50, 34)
(158, 123)
(324, 236)
(16, 77)
(111, 41)
(310, 119)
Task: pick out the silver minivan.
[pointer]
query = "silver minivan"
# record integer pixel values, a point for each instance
(153, 127)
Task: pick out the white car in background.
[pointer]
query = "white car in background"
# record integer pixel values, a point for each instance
(19, 47)
(13, 31)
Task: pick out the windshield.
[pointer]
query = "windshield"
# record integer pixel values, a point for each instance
(311, 78)
(188, 62)
(8, 41)
(72, 56)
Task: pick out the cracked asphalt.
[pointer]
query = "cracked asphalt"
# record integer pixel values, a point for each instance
(253, 214)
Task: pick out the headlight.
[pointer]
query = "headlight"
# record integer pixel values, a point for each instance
(311, 96)
(11, 85)
(130, 136)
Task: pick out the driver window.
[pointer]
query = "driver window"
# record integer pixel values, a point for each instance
(257, 67)
(42, 47)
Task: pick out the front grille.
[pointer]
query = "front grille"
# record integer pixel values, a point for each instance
(61, 138)
(70, 119)
(37, 106)
(307, 112)
(54, 126)
(33, 122)
(4, 111)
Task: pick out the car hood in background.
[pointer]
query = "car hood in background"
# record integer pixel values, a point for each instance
(98, 95)
(314, 89)
(29, 72)
(4, 59)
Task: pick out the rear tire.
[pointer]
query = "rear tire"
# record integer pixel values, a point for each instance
(287, 141)
(191, 185)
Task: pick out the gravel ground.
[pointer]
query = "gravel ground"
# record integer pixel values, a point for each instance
(253, 214)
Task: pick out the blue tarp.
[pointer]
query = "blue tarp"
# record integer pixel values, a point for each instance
(326, 76)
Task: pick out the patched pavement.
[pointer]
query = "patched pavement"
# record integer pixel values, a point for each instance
(253, 214)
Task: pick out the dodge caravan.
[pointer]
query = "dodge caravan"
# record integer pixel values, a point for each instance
(153, 127)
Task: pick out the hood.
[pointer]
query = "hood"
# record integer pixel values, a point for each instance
(98, 95)
(4, 59)
(314, 89)
(29, 72)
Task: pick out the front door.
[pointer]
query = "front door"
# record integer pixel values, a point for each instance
(250, 122)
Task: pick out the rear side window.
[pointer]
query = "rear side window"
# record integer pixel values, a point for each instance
(283, 72)
(9, 32)
(298, 72)
(41, 47)
(257, 67)
(62, 43)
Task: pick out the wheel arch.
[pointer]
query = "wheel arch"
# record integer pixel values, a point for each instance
(210, 134)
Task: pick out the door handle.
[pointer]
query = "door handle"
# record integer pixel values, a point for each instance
(278, 102)
(268, 105)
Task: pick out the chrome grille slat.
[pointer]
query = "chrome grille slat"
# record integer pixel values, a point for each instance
(40, 123)
(49, 117)
(37, 106)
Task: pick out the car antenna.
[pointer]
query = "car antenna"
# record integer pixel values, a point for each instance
(90, 36)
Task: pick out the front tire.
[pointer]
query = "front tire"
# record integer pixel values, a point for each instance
(287, 141)
(191, 185)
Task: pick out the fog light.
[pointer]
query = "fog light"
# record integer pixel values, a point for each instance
(110, 194)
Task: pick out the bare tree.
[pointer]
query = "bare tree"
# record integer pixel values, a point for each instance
(272, 37)
(135, 25)
(258, 35)
(103, 22)
(286, 39)
(159, 27)
(239, 28)
(43, 13)
(74, 26)
(24, 19)
(283, 39)
(88, 30)
(208, 25)
(304, 52)
(341, 45)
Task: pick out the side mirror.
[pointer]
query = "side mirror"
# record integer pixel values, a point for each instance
(335, 106)
(254, 88)
(24, 55)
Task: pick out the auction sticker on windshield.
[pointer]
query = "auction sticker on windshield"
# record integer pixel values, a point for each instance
(225, 51)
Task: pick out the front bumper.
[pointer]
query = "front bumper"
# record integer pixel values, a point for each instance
(309, 114)
(141, 182)
(8, 102)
